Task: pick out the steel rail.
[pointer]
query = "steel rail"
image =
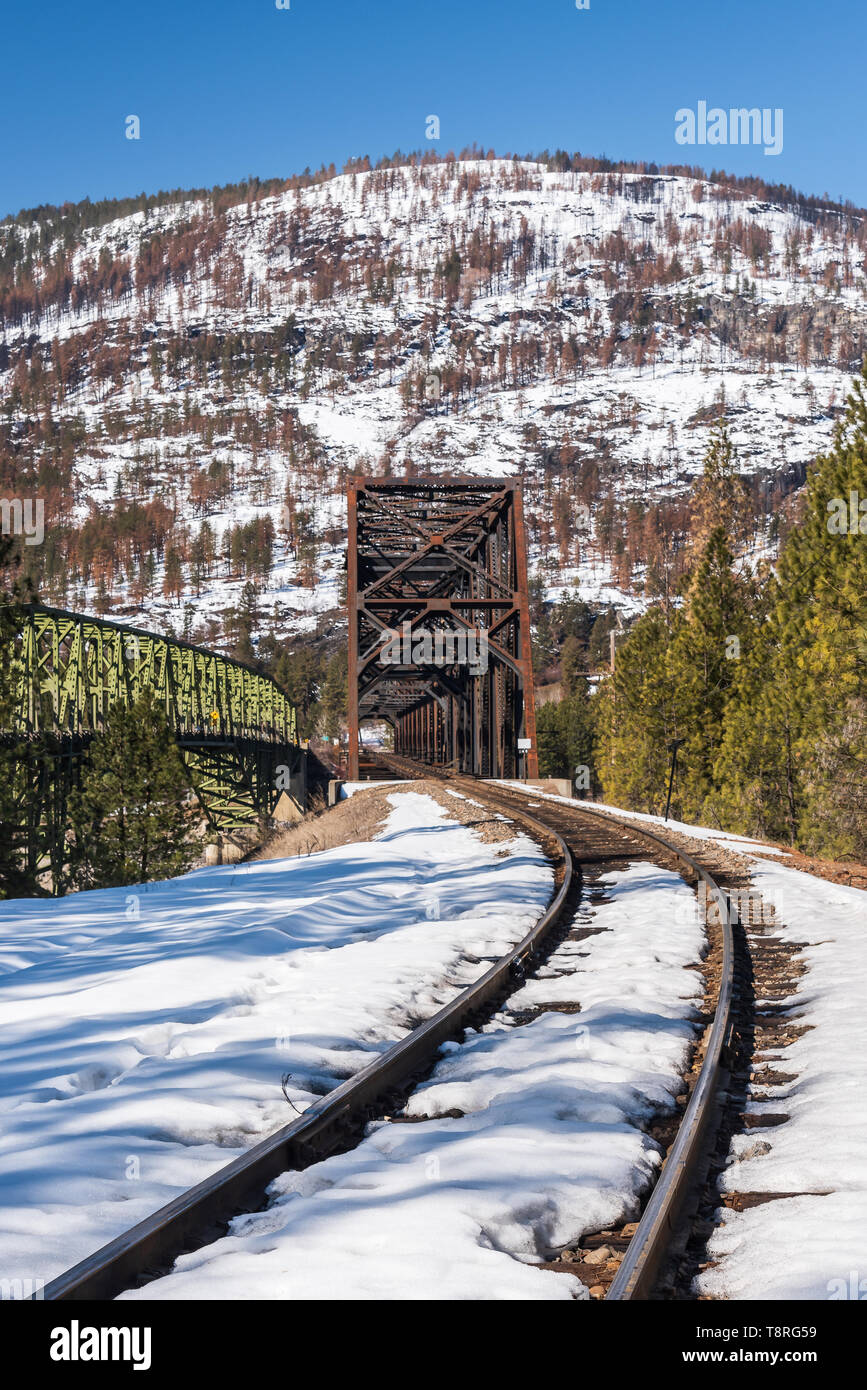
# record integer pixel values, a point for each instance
(155, 1242)
(659, 1222)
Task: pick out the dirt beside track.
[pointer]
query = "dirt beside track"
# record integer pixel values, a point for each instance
(362, 816)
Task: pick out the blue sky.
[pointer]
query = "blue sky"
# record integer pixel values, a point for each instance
(227, 88)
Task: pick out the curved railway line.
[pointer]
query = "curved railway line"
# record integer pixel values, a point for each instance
(661, 1236)
(580, 842)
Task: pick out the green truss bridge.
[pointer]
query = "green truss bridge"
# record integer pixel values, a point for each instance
(235, 727)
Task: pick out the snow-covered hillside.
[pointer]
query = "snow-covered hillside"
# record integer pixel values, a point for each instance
(490, 317)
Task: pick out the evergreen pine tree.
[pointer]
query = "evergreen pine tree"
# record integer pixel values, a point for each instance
(798, 730)
(301, 674)
(637, 715)
(246, 619)
(334, 696)
(565, 736)
(702, 662)
(129, 818)
(572, 666)
(720, 497)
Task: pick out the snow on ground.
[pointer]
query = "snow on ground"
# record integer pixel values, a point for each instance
(146, 1029)
(550, 1143)
(351, 788)
(807, 1246)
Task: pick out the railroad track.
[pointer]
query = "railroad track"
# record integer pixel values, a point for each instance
(665, 1228)
(577, 840)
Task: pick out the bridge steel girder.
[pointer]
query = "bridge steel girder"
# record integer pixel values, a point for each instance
(447, 556)
(235, 727)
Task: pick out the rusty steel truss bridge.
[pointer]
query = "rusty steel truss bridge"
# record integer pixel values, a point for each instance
(439, 629)
(235, 727)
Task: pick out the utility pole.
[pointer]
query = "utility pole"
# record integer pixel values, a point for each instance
(672, 747)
